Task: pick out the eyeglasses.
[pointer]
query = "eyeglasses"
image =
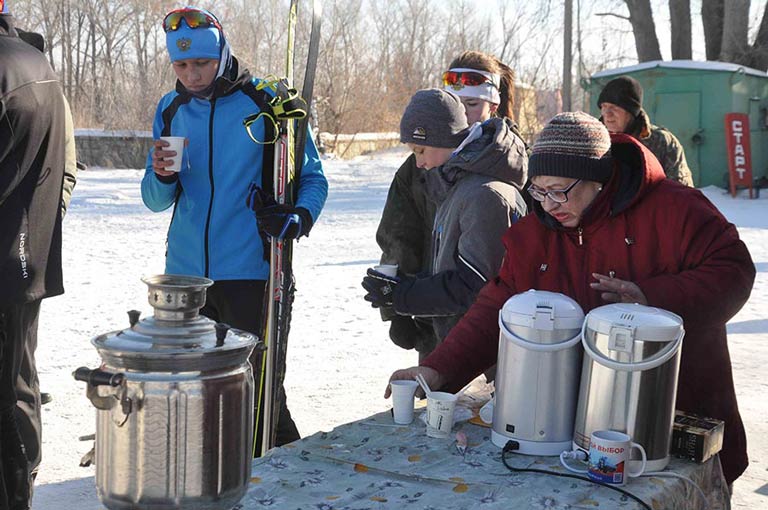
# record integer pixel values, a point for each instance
(461, 79)
(559, 196)
(193, 17)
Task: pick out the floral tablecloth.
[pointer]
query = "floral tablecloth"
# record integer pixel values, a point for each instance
(372, 464)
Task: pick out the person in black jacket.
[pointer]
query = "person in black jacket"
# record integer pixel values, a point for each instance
(71, 167)
(32, 145)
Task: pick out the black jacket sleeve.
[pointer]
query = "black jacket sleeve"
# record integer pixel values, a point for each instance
(405, 228)
(444, 294)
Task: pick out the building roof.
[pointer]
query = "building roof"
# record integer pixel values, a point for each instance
(704, 65)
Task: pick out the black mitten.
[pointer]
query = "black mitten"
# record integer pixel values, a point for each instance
(403, 331)
(380, 288)
(278, 220)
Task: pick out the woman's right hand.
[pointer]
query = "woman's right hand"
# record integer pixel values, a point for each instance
(159, 161)
(432, 376)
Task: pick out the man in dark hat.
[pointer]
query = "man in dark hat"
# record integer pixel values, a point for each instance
(32, 146)
(621, 110)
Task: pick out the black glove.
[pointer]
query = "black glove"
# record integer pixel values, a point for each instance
(402, 331)
(411, 333)
(380, 288)
(278, 220)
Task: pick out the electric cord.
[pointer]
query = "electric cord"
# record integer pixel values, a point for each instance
(670, 474)
(514, 445)
(581, 455)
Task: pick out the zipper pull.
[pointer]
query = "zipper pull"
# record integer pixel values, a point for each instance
(581, 240)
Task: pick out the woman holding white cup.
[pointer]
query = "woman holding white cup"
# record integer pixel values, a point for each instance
(223, 222)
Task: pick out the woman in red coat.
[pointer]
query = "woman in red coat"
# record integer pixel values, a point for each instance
(608, 227)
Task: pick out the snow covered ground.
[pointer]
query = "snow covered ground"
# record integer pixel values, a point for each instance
(339, 356)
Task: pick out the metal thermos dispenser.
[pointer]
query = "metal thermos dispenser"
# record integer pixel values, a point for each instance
(629, 377)
(537, 376)
(174, 425)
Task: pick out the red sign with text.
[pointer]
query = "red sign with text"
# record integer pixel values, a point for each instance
(739, 154)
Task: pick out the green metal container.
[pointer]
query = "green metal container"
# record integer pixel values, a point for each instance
(690, 99)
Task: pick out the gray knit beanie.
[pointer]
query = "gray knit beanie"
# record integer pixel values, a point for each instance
(575, 145)
(434, 118)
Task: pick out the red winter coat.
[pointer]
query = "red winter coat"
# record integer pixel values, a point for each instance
(668, 239)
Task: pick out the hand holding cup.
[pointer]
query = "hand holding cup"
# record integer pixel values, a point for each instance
(168, 154)
(431, 376)
(402, 400)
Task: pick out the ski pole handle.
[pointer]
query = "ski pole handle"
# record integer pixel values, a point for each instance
(289, 220)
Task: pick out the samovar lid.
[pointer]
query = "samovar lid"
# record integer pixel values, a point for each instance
(647, 324)
(176, 338)
(635, 337)
(543, 310)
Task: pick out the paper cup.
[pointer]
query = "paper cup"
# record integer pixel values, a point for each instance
(402, 400)
(176, 143)
(440, 406)
(386, 269)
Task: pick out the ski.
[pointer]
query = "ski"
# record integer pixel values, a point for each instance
(308, 88)
(289, 158)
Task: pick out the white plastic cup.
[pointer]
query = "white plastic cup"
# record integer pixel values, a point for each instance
(387, 269)
(440, 406)
(402, 400)
(175, 143)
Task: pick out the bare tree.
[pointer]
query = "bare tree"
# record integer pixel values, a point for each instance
(735, 27)
(114, 66)
(712, 19)
(644, 30)
(680, 24)
(341, 82)
(759, 56)
(519, 24)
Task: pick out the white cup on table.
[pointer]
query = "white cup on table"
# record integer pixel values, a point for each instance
(176, 144)
(403, 392)
(440, 407)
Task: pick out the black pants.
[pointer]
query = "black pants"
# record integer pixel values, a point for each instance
(239, 303)
(19, 392)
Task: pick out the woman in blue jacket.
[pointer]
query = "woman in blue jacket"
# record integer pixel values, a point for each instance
(213, 232)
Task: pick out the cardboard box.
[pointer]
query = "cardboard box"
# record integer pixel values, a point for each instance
(696, 438)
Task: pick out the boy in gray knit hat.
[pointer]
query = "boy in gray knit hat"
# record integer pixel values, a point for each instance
(474, 179)
(433, 125)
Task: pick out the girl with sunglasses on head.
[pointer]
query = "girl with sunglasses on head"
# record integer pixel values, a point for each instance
(472, 177)
(485, 87)
(213, 232)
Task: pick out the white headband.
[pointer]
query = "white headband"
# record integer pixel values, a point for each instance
(486, 91)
